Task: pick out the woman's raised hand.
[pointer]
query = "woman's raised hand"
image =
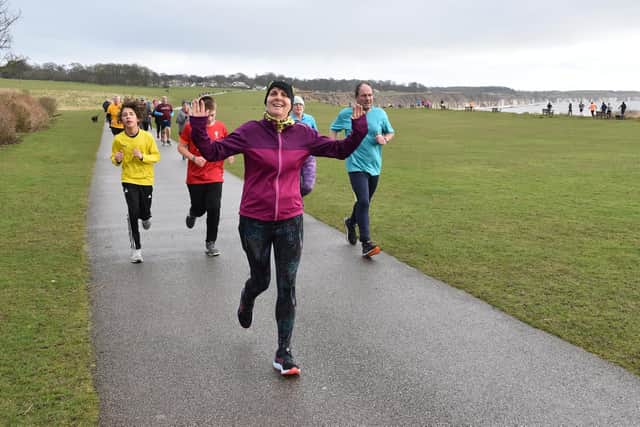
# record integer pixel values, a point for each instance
(357, 112)
(197, 109)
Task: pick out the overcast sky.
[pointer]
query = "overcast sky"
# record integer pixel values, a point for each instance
(522, 44)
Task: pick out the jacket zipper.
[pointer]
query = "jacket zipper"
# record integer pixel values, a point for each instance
(275, 214)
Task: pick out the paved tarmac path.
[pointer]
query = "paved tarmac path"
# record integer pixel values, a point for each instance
(379, 343)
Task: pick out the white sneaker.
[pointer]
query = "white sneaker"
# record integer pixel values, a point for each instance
(146, 223)
(211, 249)
(136, 256)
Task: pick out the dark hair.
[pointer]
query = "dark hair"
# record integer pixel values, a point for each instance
(209, 102)
(134, 105)
(360, 85)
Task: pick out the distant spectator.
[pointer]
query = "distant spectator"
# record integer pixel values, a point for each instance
(581, 107)
(549, 107)
(609, 110)
(623, 108)
(592, 109)
(570, 112)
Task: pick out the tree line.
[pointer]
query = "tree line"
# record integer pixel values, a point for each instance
(17, 67)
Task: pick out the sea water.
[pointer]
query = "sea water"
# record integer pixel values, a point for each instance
(562, 107)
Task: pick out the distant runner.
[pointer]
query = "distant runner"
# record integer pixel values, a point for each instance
(164, 111)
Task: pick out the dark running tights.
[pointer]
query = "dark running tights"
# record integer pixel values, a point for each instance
(257, 238)
(205, 198)
(138, 199)
(364, 186)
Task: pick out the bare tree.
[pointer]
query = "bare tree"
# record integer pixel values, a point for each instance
(7, 18)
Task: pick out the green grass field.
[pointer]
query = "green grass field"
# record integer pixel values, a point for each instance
(537, 216)
(46, 356)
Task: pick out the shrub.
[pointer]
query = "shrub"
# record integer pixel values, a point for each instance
(19, 113)
(29, 114)
(7, 125)
(49, 104)
(22, 114)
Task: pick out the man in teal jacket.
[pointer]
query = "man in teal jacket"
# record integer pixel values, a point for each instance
(364, 164)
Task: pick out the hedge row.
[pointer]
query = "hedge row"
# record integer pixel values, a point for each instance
(21, 113)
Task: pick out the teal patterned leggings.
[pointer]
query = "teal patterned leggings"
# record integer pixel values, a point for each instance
(285, 236)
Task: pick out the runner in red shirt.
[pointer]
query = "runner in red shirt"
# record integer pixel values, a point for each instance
(204, 179)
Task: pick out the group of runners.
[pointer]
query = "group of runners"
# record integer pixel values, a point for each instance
(279, 169)
(158, 112)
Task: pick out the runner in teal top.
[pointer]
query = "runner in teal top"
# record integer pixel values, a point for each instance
(364, 165)
(368, 156)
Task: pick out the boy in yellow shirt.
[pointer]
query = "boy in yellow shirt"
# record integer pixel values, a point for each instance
(136, 152)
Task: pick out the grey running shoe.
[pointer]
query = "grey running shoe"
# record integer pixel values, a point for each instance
(136, 256)
(211, 249)
(146, 223)
(350, 230)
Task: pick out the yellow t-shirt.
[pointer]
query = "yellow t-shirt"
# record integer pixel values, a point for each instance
(114, 110)
(134, 170)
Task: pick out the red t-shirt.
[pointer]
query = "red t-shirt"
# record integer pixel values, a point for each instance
(211, 171)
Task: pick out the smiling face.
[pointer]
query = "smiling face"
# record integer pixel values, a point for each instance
(278, 103)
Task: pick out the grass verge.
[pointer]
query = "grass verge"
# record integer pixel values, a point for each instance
(46, 357)
(537, 216)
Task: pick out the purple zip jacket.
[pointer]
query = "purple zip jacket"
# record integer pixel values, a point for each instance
(272, 161)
